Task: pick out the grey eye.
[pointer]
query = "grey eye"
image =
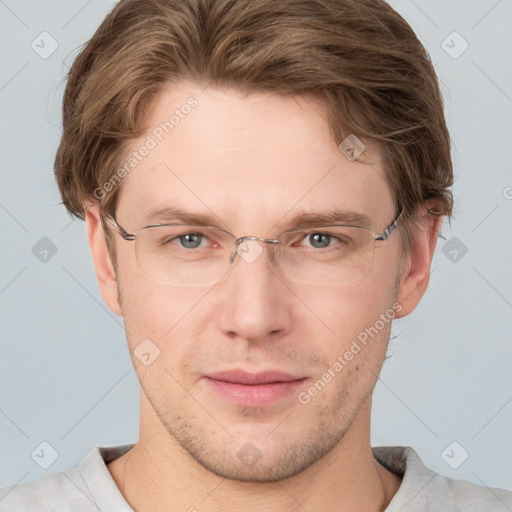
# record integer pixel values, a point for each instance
(191, 240)
(319, 240)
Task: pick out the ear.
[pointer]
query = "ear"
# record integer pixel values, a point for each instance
(103, 266)
(415, 271)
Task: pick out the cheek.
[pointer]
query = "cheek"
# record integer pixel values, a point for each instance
(150, 309)
(355, 335)
(361, 321)
(346, 310)
(168, 316)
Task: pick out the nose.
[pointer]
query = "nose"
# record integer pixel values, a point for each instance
(257, 303)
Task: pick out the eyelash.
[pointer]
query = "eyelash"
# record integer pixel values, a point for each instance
(305, 237)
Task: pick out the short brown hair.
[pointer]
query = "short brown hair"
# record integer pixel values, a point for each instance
(360, 56)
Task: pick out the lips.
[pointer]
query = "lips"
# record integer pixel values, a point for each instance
(254, 379)
(256, 390)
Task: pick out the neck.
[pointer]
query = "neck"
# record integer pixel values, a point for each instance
(157, 473)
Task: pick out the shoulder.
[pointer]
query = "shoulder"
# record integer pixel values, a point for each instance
(423, 489)
(52, 493)
(86, 488)
(469, 496)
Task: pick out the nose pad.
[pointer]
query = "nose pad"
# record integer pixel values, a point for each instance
(251, 248)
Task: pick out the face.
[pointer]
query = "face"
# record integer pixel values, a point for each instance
(252, 163)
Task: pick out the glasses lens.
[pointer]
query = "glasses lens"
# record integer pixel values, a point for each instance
(183, 254)
(328, 254)
(195, 255)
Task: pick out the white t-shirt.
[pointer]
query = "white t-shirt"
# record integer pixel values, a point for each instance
(90, 487)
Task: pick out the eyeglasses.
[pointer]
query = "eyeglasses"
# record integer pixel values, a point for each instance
(187, 255)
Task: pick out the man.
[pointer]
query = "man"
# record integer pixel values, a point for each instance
(263, 184)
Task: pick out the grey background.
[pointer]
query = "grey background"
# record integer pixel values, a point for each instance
(66, 376)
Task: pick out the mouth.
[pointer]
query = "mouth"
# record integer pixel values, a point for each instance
(253, 389)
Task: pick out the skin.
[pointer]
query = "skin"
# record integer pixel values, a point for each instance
(254, 161)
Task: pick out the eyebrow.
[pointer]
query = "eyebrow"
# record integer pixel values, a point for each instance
(301, 220)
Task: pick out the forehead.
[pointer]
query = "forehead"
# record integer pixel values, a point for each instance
(246, 158)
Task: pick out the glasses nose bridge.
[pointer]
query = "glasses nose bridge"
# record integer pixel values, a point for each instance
(242, 239)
